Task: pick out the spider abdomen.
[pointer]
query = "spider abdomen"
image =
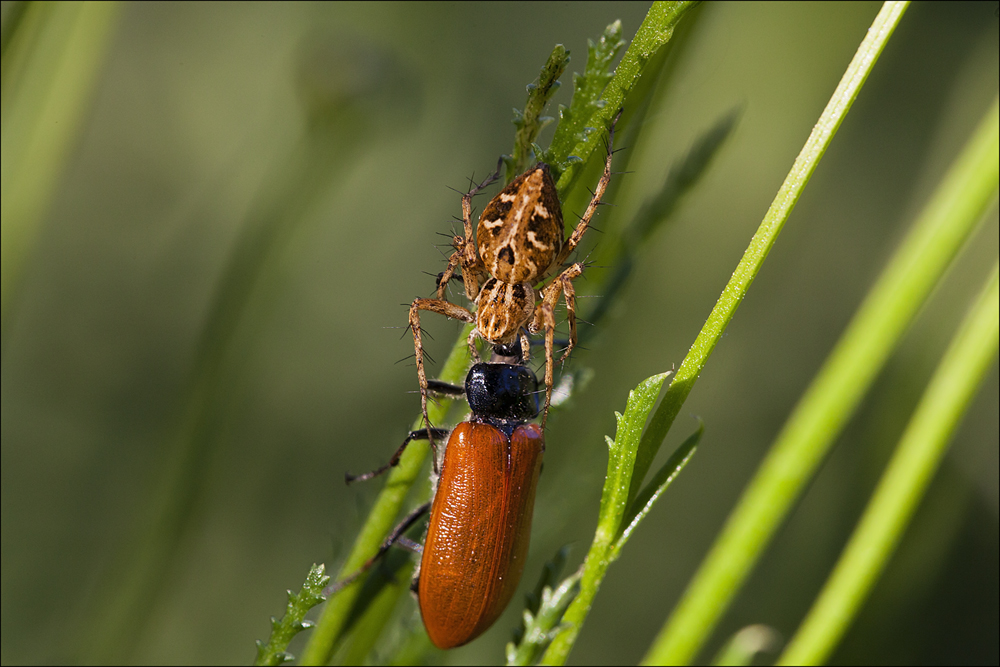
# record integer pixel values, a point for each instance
(521, 230)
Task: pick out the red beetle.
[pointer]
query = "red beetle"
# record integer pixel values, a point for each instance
(480, 518)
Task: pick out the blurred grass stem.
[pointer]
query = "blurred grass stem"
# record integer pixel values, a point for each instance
(904, 482)
(53, 54)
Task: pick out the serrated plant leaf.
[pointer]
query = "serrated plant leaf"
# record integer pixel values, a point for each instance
(530, 122)
(656, 30)
(541, 627)
(574, 121)
(311, 594)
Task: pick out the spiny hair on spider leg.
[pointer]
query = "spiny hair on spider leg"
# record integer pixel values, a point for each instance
(409, 328)
(409, 356)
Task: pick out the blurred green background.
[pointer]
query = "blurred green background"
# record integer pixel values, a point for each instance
(254, 190)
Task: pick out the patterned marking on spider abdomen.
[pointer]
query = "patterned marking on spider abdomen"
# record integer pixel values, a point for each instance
(521, 230)
(503, 309)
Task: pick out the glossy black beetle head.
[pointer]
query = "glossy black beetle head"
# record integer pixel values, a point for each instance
(502, 392)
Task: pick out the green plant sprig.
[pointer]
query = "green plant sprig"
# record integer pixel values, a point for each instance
(275, 651)
(530, 121)
(574, 127)
(946, 222)
(618, 518)
(654, 32)
(766, 235)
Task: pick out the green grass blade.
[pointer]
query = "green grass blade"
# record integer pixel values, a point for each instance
(623, 253)
(364, 627)
(904, 482)
(945, 223)
(51, 63)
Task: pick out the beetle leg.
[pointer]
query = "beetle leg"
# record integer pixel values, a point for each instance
(422, 434)
(445, 388)
(447, 309)
(394, 536)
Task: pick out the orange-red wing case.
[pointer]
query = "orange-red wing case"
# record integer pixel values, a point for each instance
(480, 524)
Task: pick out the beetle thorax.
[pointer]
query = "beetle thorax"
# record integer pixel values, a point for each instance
(503, 309)
(521, 230)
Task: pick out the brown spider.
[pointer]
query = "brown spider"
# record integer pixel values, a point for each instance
(518, 245)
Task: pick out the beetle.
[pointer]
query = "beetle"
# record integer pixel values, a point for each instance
(480, 516)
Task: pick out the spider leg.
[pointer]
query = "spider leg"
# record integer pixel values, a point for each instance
(447, 309)
(545, 320)
(602, 185)
(465, 247)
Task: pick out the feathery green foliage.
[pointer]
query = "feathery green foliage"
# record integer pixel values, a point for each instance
(275, 651)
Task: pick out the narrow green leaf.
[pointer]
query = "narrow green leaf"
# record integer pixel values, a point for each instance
(770, 227)
(905, 480)
(918, 264)
(646, 498)
(51, 64)
(622, 254)
(621, 460)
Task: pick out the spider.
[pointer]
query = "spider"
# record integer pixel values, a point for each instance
(518, 245)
